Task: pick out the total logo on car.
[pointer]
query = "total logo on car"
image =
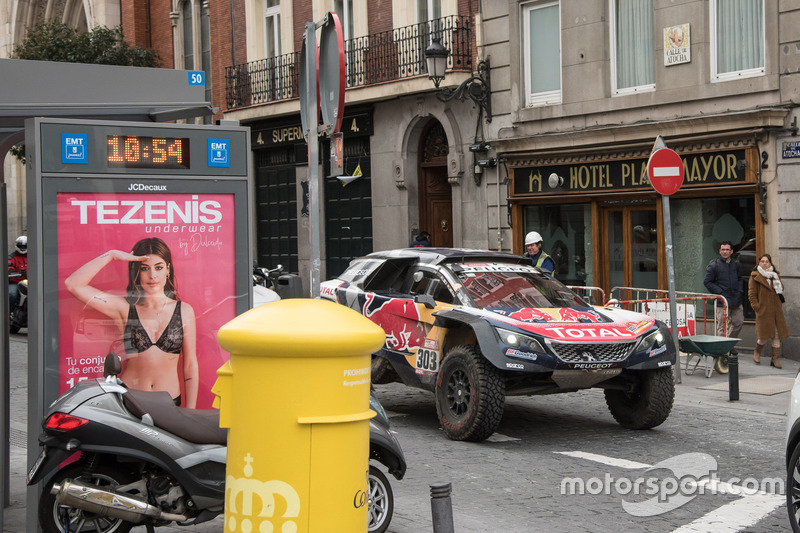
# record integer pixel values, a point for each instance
(474, 326)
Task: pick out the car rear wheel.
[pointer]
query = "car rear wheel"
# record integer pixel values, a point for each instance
(793, 490)
(470, 395)
(381, 501)
(648, 404)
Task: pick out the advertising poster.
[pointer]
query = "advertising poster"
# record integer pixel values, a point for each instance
(108, 301)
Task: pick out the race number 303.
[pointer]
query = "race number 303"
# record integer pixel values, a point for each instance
(428, 359)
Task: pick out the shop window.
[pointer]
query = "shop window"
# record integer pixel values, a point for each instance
(698, 228)
(566, 231)
(633, 46)
(542, 53)
(737, 39)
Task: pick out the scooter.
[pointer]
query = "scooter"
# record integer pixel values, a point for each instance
(264, 284)
(18, 317)
(114, 457)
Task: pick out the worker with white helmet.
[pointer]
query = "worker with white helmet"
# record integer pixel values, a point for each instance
(539, 258)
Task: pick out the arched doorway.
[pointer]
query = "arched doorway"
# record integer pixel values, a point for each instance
(435, 195)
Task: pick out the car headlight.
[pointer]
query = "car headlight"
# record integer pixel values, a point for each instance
(655, 338)
(517, 340)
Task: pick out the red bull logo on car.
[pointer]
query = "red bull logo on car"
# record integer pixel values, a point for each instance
(400, 320)
(565, 314)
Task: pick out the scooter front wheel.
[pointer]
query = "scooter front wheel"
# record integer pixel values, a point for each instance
(53, 517)
(381, 501)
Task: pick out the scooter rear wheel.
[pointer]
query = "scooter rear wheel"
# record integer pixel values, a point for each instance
(53, 517)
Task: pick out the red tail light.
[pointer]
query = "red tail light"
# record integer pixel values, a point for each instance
(64, 422)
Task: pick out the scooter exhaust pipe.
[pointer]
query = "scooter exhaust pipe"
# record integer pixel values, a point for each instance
(73, 493)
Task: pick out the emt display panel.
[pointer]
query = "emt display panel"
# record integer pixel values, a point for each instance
(99, 186)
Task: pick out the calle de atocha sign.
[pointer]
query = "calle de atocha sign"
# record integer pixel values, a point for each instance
(700, 169)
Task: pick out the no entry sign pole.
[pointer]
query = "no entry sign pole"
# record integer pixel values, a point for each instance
(665, 170)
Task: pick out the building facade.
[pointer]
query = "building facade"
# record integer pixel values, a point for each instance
(580, 91)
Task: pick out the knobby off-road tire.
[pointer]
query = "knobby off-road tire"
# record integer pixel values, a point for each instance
(52, 517)
(381, 501)
(649, 404)
(382, 371)
(470, 395)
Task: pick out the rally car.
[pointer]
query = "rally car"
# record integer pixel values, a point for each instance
(474, 326)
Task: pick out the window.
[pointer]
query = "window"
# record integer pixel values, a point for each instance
(567, 233)
(737, 39)
(272, 28)
(632, 45)
(542, 53)
(196, 40)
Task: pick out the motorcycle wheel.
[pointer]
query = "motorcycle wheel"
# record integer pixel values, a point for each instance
(381, 501)
(53, 517)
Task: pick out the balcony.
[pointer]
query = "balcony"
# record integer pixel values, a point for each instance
(370, 60)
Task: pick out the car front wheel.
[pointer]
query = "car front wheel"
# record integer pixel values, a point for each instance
(381, 501)
(470, 395)
(647, 404)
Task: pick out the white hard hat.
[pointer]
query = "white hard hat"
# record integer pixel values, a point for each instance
(532, 237)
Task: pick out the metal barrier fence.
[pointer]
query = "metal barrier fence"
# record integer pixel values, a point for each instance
(593, 295)
(640, 300)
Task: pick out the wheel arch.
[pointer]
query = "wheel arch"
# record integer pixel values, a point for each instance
(464, 328)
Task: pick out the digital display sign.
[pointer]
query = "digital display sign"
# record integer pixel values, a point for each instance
(139, 151)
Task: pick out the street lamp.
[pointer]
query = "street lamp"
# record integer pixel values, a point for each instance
(477, 87)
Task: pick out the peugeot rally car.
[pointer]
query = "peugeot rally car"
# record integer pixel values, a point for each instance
(474, 326)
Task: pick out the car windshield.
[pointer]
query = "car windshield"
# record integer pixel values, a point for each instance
(514, 287)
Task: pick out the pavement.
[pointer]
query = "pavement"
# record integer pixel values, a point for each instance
(762, 389)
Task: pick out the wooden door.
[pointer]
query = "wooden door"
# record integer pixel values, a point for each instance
(436, 206)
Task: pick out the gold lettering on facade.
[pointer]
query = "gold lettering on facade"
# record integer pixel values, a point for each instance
(289, 134)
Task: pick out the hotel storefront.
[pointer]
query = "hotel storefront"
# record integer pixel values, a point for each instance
(602, 222)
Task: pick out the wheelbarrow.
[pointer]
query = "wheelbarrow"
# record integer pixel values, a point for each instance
(706, 348)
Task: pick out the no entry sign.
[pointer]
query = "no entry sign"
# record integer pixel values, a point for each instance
(665, 170)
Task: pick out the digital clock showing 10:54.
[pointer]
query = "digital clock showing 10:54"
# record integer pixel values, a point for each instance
(137, 151)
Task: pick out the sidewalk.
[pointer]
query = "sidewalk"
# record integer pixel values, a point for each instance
(762, 389)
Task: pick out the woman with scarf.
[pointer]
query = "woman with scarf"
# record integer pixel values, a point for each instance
(766, 297)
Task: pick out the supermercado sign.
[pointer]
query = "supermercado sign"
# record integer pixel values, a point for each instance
(700, 169)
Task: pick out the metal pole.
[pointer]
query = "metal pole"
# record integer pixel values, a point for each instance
(673, 314)
(5, 366)
(733, 377)
(312, 120)
(441, 508)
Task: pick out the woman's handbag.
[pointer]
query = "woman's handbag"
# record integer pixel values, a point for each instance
(783, 300)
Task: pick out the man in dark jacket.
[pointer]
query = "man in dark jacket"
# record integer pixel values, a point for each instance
(724, 276)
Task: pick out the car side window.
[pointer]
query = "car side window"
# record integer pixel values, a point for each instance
(432, 284)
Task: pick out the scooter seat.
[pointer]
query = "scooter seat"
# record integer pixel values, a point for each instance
(200, 426)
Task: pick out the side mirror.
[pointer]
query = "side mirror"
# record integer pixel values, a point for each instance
(426, 300)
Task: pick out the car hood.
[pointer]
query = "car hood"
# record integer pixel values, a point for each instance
(566, 323)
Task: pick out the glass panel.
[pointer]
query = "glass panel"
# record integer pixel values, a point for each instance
(644, 245)
(698, 227)
(740, 35)
(188, 36)
(544, 52)
(566, 231)
(635, 43)
(616, 254)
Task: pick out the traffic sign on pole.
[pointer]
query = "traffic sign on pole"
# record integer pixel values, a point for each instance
(665, 170)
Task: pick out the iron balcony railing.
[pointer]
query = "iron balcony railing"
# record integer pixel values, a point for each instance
(369, 60)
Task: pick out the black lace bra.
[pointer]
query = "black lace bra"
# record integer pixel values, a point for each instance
(137, 340)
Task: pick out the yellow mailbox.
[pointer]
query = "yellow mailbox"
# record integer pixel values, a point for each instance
(295, 397)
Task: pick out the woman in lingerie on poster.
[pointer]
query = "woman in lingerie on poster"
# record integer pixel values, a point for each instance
(158, 329)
